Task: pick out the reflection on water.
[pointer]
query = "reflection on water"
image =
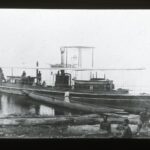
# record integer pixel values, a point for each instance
(19, 105)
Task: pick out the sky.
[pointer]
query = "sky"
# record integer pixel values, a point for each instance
(121, 39)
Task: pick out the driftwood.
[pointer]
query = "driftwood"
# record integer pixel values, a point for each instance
(132, 105)
(74, 106)
(90, 119)
(55, 120)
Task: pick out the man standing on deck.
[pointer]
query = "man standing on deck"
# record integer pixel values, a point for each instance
(67, 100)
(39, 77)
(66, 97)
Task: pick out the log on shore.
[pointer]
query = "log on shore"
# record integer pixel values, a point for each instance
(91, 119)
(55, 120)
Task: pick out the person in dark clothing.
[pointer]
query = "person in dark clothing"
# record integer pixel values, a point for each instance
(127, 133)
(39, 77)
(144, 116)
(2, 78)
(23, 78)
(105, 125)
(144, 120)
(23, 74)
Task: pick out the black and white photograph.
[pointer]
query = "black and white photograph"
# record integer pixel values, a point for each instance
(74, 73)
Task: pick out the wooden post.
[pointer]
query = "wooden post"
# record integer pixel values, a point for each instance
(92, 58)
(12, 71)
(66, 57)
(37, 71)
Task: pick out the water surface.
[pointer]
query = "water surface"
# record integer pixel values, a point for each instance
(21, 105)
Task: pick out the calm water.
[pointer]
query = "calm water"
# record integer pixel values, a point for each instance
(20, 105)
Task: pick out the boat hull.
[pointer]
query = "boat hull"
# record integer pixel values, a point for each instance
(124, 101)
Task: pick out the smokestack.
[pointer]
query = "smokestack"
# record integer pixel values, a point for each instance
(37, 71)
(104, 76)
(62, 56)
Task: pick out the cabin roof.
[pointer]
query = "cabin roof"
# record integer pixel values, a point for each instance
(90, 82)
(14, 77)
(77, 47)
